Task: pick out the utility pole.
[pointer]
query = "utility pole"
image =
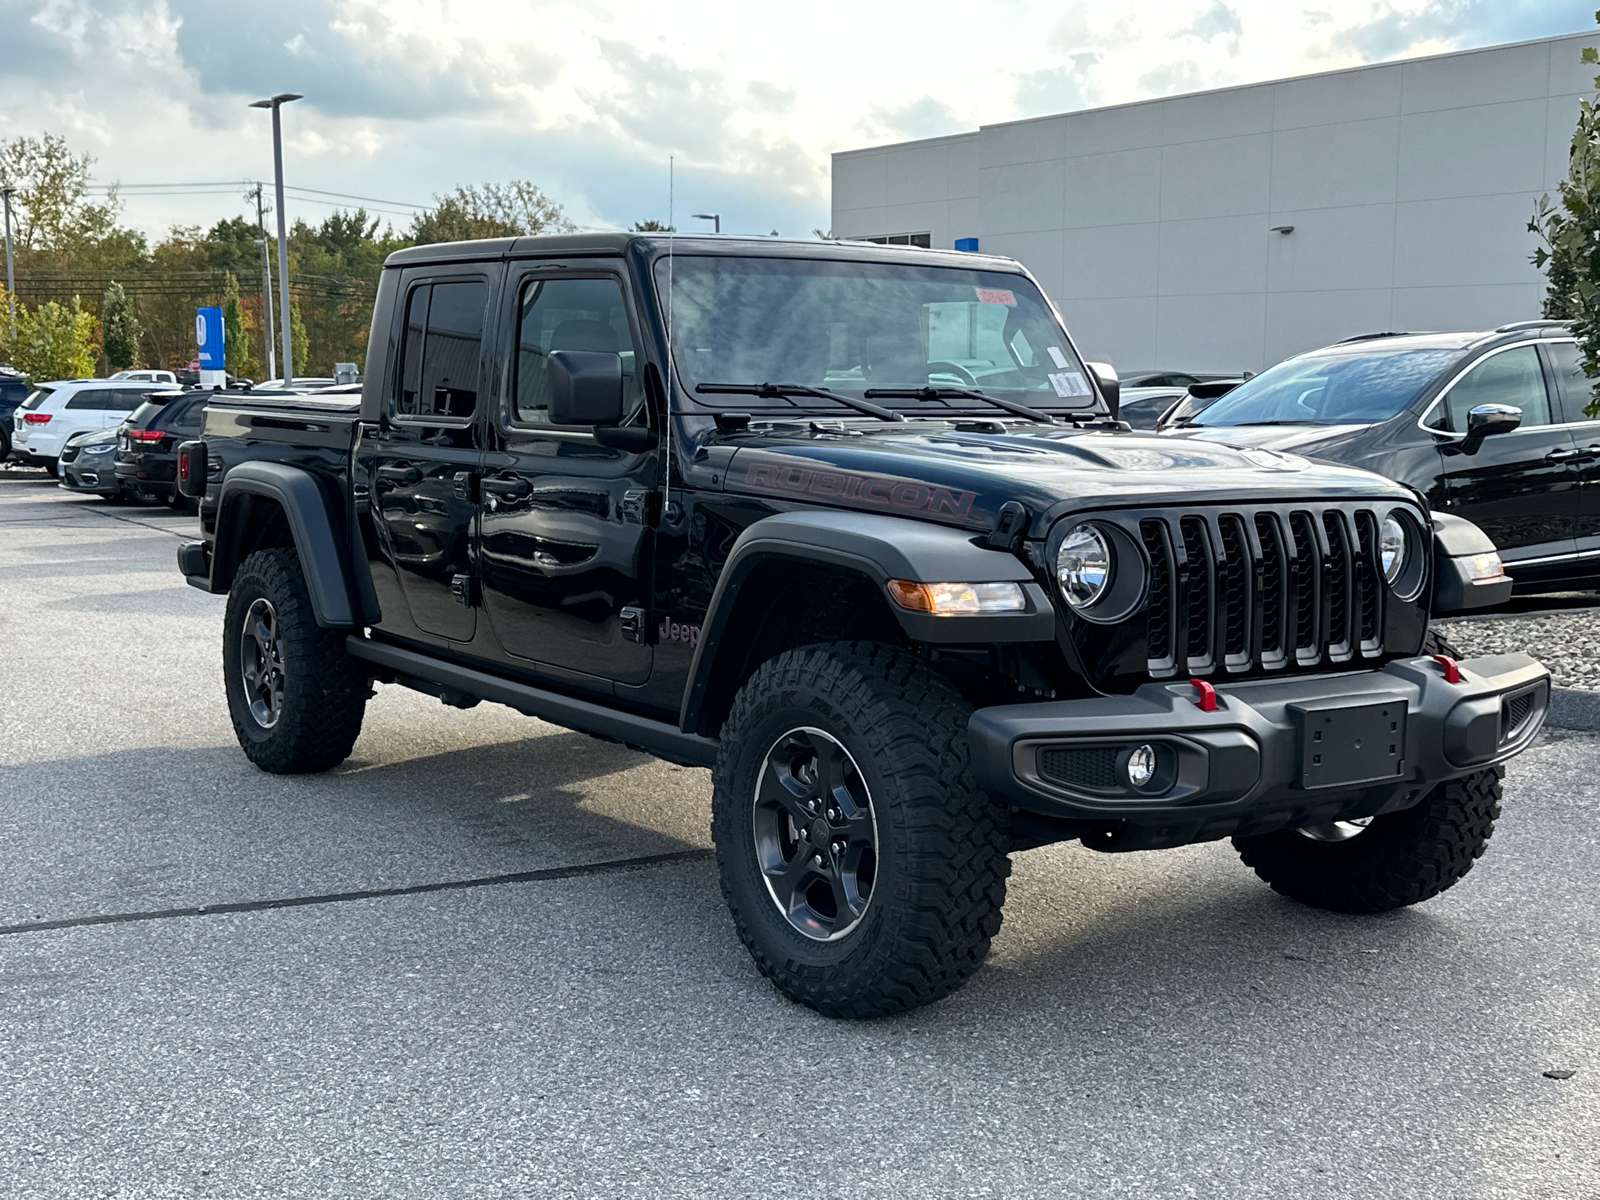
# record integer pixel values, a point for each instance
(266, 290)
(11, 283)
(275, 103)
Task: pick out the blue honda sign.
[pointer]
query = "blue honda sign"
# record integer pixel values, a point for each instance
(208, 338)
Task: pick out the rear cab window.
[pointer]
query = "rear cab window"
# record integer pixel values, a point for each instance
(441, 357)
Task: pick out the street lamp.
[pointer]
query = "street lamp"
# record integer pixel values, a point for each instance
(715, 218)
(11, 284)
(274, 104)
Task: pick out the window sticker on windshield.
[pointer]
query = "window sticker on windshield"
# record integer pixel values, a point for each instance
(996, 296)
(1069, 383)
(1058, 358)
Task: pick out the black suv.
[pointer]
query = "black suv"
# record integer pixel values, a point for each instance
(1488, 425)
(14, 390)
(855, 527)
(147, 444)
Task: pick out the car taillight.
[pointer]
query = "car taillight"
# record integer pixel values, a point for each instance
(145, 435)
(36, 418)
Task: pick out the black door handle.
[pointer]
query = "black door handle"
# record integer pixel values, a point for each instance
(400, 474)
(500, 485)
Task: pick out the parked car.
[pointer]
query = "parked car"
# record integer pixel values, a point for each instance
(55, 411)
(14, 390)
(146, 458)
(1149, 378)
(87, 463)
(1196, 398)
(1142, 407)
(911, 626)
(144, 375)
(1489, 425)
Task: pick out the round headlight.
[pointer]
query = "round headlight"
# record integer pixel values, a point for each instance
(1392, 547)
(1083, 566)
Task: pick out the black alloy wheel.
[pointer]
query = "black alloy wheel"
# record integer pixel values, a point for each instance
(816, 836)
(261, 663)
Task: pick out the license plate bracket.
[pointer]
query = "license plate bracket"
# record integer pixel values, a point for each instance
(1343, 744)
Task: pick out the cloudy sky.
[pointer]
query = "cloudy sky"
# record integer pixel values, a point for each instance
(405, 98)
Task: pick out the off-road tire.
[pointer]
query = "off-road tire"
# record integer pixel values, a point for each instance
(324, 694)
(1401, 858)
(942, 858)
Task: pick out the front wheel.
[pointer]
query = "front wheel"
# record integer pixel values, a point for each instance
(1381, 863)
(295, 695)
(864, 869)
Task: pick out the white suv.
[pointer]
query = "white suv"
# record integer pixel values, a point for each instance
(55, 411)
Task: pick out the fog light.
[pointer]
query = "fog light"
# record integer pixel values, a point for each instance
(1141, 765)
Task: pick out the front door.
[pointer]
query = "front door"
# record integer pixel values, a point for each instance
(566, 522)
(1523, 488)
(425, 453)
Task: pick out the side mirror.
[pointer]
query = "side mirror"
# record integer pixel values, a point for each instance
(1105, 375)
(1487, 419)
(585, 387)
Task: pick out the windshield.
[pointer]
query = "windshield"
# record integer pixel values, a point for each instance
(851, 326)
(1342, 388)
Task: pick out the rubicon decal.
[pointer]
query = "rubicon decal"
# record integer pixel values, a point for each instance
(903, 495)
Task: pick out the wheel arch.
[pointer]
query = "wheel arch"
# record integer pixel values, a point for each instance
(265, 505)
(795, 578)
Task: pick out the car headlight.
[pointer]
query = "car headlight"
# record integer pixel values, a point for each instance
(1083, 566)
(1392, 547)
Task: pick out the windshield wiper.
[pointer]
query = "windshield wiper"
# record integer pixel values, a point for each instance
(779, 391)
(950, 393)
(1237, 424)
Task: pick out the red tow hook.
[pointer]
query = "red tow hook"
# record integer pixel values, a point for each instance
(1451, 668)
(1208, 695)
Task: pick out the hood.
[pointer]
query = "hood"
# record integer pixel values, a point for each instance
(1298, 439)
(962, 478)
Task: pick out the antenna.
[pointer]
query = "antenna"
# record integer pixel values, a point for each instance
(666, 495)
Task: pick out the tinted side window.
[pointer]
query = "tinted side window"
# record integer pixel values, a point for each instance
(442, 355)
(1511, 377)
(1574, 389)
(127, 399)
(568, 314)
(94, 401)
(182, 416)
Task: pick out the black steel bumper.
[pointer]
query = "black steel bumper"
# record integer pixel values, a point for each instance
(1274, 753)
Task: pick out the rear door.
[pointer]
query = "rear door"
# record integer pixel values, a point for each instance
(423, 453)
(565, 521)
(1524, 488)
(1574, 392)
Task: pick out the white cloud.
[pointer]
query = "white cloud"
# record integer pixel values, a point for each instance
(405, 98)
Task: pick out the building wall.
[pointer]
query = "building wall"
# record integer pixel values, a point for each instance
(1409, 186)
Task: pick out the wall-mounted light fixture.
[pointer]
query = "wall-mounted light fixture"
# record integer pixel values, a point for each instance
(1283, 229)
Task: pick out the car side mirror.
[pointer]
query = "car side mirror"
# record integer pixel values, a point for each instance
(585, 387)
(1485, 420)
(1105, 376)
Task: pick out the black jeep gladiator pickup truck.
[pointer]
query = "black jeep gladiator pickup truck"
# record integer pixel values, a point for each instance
(855, 527)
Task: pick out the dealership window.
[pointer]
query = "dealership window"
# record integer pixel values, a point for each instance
(925, 240)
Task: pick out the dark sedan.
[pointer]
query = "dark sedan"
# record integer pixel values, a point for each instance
(147, 444)
(88, 464)
(1489, 426)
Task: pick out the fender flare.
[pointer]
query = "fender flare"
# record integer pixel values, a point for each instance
(880, 548)
(313, 527)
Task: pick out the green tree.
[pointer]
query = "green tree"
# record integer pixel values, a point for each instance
(300, 343)
(514, 209)
(54, 341)
(119, 329)
(652, 226)
(1571, 236)
(238, 332)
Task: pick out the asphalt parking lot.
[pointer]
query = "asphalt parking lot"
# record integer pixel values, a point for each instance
(579, 1019)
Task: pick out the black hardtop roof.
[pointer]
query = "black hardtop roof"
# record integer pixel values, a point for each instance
(617, 243)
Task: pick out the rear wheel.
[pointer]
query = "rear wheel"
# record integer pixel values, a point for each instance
(296, 697)
(864, 869)
(1387, 862)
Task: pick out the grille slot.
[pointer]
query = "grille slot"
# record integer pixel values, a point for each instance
(1092, 767)
(1514, 714)
(1261, 590)
(1199, 586)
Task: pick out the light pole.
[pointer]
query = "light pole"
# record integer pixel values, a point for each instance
(714, 218)
(11, 283)
(274, 104)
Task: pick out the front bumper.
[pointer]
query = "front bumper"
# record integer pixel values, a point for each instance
(1274, 754)
(89, 475)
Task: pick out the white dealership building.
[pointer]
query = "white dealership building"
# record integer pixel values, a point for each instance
(1225, 230)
